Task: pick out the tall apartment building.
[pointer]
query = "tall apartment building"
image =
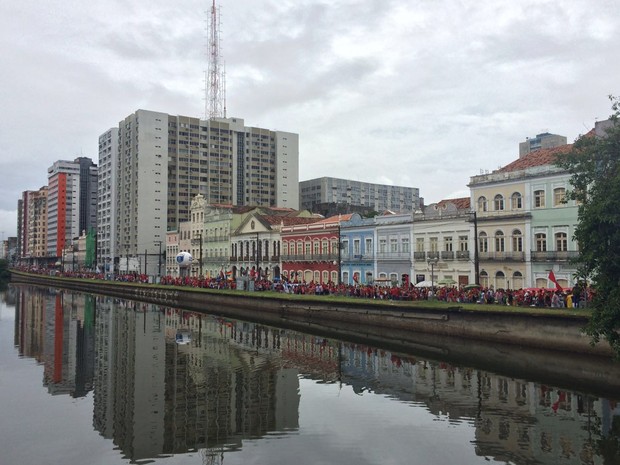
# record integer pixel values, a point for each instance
(544, 140)
(72, 202)
(317, 194)
(106, 198)
(163, 161)
(32, 225)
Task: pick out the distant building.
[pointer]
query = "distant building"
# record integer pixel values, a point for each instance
(32, 226)
(164, 161)
(71, 202)
(541, 141)
(327, 195)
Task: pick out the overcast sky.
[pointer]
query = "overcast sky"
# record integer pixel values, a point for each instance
(416, 93)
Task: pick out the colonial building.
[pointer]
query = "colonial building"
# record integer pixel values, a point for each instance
(310, 252)
(525, 226)
(444, 244)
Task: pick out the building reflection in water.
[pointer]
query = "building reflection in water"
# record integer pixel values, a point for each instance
(231, 380)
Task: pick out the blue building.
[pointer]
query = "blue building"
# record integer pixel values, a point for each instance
(357, 257)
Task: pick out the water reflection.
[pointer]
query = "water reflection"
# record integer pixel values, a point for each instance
(169, 381)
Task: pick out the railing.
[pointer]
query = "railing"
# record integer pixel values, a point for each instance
(554, 256)
(502, 256)
(447, 255)
(462, 254)
(393, 255)
(310, 257)
(357, 257)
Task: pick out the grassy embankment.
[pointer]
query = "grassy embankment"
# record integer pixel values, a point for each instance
(336, 299)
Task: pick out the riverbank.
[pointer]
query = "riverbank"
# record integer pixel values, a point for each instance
(558, 330)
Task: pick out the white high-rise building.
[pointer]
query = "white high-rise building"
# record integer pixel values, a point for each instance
(106, 199)
(162, 161)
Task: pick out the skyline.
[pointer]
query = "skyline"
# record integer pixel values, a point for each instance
(437, 91)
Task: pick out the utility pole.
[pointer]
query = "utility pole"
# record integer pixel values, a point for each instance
(145, 260)
(159, 264)
(257, 255)
(476, 258)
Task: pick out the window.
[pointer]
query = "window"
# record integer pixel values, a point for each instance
(500, 245)
(463, 243)
(393, 245)
(404, 243)
(368, 246)
(499, 202)
(516, 201)
(559, 196)
(541, 242)
(382, 245)
(561, 242)
(517, 241)
(482, 204)
(447, 243)
(356, 246)
(434, 247)
(539, 199)
(483, 242)
(419, 244)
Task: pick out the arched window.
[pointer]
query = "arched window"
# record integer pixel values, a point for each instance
(539, 198)
(516, 201)
(484, 279)
(517, 241)
(500, 244)
(498, 202)
(483, 243)
(559, 196)
(316, 247)
(482, 204)
(325, 247)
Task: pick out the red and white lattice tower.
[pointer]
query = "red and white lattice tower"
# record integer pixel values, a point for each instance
(215, 84)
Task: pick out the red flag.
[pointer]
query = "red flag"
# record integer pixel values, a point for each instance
(554, 281)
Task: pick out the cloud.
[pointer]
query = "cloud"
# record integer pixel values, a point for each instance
(422, 94)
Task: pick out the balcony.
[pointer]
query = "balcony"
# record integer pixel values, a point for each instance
(355, 258)
(419, 256)
(393, 255)
(554, 256)
(462, 254)
(310, 258)
(447, 255)
(502, 256)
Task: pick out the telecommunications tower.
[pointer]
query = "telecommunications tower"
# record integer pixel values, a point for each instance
(215, 84)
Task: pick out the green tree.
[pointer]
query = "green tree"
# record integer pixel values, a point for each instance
(594, 164)
(5, 275)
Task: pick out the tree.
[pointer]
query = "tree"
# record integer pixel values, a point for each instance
(594, 165)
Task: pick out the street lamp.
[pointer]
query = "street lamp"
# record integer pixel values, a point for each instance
(432, 262)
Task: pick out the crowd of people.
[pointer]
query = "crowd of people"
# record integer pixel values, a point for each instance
(575, 297)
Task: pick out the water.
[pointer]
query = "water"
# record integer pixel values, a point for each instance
(100, 380)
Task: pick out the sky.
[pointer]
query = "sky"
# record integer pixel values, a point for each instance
(417, 93)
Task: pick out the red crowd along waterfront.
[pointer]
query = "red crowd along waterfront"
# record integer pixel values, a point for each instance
(576, 297)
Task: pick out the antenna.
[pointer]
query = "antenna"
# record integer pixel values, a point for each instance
(215, 87)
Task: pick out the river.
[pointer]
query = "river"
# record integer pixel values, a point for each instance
(99, 380)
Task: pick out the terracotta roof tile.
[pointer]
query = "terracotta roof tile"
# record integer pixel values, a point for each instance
(538, 158)
(461, 203)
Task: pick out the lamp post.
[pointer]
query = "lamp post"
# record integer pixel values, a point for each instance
(476, 257)
(432, 262)
(339, 257)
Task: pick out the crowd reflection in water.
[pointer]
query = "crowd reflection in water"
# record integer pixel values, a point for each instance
(229, 380)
